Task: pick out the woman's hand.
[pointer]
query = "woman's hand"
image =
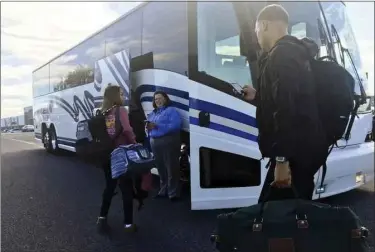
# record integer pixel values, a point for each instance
(249, 93)
(151, 126)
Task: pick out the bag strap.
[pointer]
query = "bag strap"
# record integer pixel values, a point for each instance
(118, 125)
(324, 170)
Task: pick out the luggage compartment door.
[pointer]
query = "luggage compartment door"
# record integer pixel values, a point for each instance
(226, 167)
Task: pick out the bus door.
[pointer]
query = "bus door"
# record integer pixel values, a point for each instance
(227, 170)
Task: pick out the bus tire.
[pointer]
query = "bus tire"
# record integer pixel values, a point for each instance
(50, 140)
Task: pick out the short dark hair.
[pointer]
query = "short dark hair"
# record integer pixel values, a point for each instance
(166, 97)
(273, 12)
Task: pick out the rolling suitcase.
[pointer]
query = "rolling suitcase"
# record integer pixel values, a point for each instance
(290, 226)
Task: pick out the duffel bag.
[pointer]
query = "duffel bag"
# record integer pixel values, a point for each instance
(291, 225)
(134, 159)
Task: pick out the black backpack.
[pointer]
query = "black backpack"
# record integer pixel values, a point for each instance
(335, 96)
(335, 93)
(93, 141)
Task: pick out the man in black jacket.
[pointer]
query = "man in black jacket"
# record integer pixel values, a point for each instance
(290, 132)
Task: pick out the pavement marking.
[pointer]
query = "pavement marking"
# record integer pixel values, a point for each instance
(22, 141)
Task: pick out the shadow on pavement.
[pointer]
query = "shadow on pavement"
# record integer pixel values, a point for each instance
(58, 197)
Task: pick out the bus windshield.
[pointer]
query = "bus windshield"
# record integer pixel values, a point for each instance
(336, 15)
(218, 36)
(339, 24)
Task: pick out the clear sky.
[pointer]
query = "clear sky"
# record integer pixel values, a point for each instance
(33, 33)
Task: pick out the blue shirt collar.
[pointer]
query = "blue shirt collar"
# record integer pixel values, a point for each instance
(160, 109)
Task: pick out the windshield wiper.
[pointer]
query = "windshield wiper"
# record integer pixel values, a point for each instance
(363, 92)
(342, 51)
(339, 44)
(324, 39)
(329, 38)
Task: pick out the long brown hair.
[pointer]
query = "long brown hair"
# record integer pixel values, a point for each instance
(167, 101)
(112, 97)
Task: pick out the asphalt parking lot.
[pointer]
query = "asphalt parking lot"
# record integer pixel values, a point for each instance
(50, 203)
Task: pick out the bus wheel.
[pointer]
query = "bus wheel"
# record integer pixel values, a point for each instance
(50, 140)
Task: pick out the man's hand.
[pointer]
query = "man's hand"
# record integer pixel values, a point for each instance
(249, 93)
(151, 126)
(282, 176)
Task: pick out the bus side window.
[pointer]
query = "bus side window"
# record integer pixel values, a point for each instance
(165, 34)
(41, 81)
(125, 34)
(76, 67)
(219, 43)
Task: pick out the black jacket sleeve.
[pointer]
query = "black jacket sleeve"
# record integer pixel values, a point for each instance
(288, 70)
(254, 101)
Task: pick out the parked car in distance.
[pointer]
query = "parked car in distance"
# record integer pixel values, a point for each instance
(28, 128)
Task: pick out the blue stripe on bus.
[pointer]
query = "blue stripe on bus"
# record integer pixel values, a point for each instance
(226, 129)
(201, 105)
(66, 139)
(222, 111)
(67, 143)
(174, 103)
(205, 106)
(170, 91)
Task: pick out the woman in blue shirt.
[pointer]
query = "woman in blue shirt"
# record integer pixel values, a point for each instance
(163, 126)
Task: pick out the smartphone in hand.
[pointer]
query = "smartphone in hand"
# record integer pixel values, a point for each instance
(149, 125)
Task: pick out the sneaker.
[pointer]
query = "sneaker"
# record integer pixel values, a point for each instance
(102, 225)
(130, 228)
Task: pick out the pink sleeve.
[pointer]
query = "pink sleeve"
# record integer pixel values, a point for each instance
(127, 129)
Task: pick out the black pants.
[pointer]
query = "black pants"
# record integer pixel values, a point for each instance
(126, 186)
(303, 170)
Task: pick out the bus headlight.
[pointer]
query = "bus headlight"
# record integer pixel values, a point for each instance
(359, 178)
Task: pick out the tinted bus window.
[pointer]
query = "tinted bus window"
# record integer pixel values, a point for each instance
(165, 34)
(219, 43)
(76, 67)
(41, 81)
(125, 34)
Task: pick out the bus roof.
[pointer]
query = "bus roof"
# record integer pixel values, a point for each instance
(97, 32)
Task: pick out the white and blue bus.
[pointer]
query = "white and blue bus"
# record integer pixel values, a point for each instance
(199, 53)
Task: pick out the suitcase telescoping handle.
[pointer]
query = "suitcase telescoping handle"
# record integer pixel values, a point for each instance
(301, 218)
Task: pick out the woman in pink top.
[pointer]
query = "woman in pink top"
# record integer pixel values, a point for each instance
(113, 98)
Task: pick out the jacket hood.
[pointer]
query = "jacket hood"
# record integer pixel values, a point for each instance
(308, 43)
